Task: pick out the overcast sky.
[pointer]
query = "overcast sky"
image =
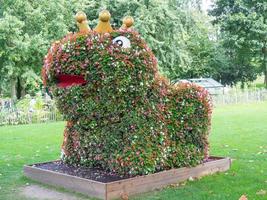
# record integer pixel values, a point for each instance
(206, 4)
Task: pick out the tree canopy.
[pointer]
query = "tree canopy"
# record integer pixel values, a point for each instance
(244, 33)
(231, 49)
(26, 30)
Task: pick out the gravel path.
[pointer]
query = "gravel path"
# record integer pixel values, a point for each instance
(36, 192)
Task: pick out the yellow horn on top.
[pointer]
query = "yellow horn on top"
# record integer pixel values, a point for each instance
(103, 25)
(127, 22)
(82, 22)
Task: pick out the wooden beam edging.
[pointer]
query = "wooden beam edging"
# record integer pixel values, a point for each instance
(130, 186)
(77, 184)
(158, 180)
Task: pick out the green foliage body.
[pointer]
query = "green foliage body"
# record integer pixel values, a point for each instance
(126, 119)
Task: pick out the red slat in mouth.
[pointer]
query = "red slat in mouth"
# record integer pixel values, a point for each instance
(65, 80)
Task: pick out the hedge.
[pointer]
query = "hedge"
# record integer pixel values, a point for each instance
(123, 116)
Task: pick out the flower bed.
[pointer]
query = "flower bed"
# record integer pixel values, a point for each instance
(123, 116)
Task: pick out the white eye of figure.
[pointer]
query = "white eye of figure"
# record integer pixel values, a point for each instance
(122, 41)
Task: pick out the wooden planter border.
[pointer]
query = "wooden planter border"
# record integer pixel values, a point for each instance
(130, 186)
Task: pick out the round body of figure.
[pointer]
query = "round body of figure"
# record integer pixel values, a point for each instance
(123, 116)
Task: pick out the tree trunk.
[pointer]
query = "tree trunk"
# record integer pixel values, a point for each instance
(242, 85)
(23, 91)
(265, 57)
(265, 72)
(147, 3)
(19, 88)
(13, 91)
(265, 63)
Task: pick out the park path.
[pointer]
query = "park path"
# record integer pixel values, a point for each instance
(37, 192)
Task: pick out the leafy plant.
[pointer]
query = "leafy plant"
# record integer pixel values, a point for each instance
(123, 116)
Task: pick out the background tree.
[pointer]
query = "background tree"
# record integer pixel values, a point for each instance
(186, 44)
(26, 31)
(244, 31)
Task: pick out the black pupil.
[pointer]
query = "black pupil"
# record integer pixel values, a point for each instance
(119, 42)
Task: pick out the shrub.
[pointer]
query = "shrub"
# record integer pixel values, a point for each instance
(24, 113)
(122, 115)
(189, 113)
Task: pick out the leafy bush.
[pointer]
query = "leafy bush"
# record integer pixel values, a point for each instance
(25, 112)
(190, 110)
(25, 103)
(15, 117)
(124, 117)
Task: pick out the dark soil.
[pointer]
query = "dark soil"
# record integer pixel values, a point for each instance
(87, 173)
(82, 172)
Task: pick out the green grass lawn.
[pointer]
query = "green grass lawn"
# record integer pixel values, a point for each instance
(239, 132)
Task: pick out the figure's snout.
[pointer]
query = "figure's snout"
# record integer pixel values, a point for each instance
(66, 80)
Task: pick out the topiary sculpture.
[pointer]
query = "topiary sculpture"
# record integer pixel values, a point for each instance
(123, 116)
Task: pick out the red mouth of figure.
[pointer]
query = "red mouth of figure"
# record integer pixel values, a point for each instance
(65, 80)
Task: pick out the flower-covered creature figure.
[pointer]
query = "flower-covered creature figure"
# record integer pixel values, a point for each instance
(123, 116)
